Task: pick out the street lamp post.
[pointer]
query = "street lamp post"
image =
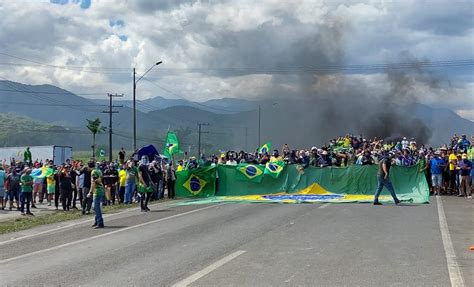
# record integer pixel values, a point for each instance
(135, 102)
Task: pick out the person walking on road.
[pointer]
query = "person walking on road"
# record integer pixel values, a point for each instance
(383, 179)
(26, 182)
(97, 192)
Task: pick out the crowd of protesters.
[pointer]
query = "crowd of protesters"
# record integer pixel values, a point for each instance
(78, 185)
(448, 168)
(74, 185)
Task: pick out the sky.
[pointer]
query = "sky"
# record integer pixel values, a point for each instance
(240, 49)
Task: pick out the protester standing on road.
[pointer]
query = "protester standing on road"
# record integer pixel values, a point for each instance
(13, 183)
(51, 187)
(87, 201)
(383, 178)
(144, 184)
(122, 184)
(97, 192)
(465, 186)
(26, 189)
(65, 187)
(170, 180)
(110, 181)
(37, 187)
(132, 174)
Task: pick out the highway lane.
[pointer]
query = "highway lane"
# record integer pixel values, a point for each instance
(261, 245)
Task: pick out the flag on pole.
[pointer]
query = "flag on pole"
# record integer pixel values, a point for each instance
(265, 148)
(171, 145)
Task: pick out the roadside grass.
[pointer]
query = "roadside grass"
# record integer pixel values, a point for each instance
(27, 222)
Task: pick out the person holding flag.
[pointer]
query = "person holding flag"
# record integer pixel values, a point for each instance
(171, 145)
(265, 148)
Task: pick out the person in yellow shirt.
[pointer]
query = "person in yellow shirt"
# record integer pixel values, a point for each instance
(453, 162)
(276, 156)
(122, 183)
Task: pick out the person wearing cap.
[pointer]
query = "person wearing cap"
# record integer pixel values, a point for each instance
(437, 165)
(324, 159)
(465, 171)
(383, 179)
(97, 193)
(26, 182)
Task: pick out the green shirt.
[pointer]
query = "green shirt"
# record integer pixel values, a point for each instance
(99, 190)
(24, 179)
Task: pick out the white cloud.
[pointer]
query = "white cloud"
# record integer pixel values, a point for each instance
(230, 34)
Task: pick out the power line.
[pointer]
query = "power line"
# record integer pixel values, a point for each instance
(261, 70)
(111, 112)
(199, 137)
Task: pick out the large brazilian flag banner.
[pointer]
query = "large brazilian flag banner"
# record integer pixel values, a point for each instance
(199, 182)
(295, 185)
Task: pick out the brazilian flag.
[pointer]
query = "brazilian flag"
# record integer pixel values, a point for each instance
(274, 169)
(42, 172)
(265, 148)
(250, 172)
(194, 184)
(171, 145)
(197, 182)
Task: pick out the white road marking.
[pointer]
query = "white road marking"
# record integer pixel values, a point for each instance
(324, 205)
(196, 276)
(65, 226)
(103, 235)
(455, 274)
(72, 224)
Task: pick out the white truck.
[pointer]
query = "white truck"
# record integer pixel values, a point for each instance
(59, 154)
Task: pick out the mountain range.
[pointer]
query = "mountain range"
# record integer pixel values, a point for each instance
(233, 123)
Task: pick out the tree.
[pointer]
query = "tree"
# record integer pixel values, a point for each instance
(95, 127)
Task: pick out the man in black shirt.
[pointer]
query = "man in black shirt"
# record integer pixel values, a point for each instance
(87, 200)
(383, 178)
(110, 181)
(65, 187)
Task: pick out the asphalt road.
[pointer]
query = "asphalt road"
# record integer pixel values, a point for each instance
(248, 245)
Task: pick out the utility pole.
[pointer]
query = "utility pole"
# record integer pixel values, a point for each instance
(135, 102)
(134, 112)
(199, 139)
(259, 124)
(246, 133)
(111, 112)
